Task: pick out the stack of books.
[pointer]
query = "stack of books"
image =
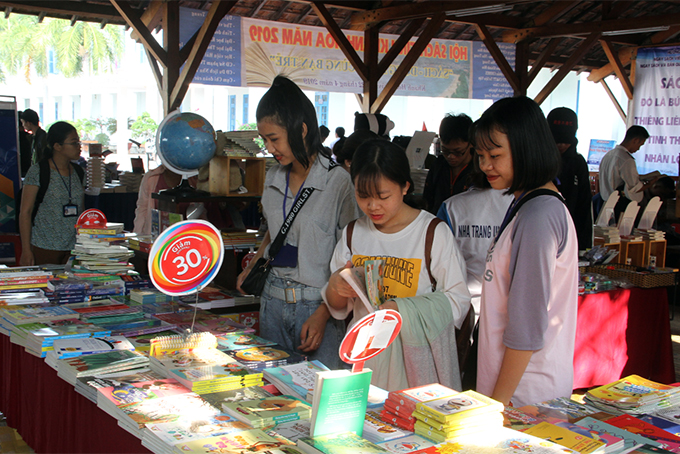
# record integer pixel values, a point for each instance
(254, 440)
(400, 405)
(135, 281)
(241, 240)
(70, 348)
(216, 377)
(242, 140)
(22, 278)
(131, 180)
(650, 234)
(87, 386)
(241, 341)
(295, 379)
(609, 234)
(70, 369)
(459, 414)
(147, 295)
(633, 395)
(39, 337)
(269, 411)
(567, 438)
(378, 431)
(21, 297)
(339, 443)
(101, 256)
(260, 358)
(141, 243)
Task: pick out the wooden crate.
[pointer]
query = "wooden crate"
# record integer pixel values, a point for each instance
(222, 168)
(635, 251)
(658, 249)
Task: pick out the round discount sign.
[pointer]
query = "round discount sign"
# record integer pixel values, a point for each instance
(92, 219)
(186, 257)
(371, 335)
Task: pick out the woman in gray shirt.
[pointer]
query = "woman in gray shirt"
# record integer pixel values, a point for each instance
(291, 312)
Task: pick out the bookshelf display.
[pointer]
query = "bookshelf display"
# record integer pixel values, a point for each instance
(657, 249)
(633, 253)
(223, 170)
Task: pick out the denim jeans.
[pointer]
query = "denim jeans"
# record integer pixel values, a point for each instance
(282, 322)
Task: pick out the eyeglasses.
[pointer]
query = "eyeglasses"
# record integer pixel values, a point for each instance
(456, 153)
(75, 144)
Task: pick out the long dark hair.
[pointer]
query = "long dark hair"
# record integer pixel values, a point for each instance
(380, 158)
(535, 158)
(287, 106)
(57, 133)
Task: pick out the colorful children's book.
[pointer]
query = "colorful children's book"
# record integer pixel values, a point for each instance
(16, 315)
(68, 348)
(259, 358)
(665, 424)
(634, 425)
(404, 402)
(191, 428)
(631, 393)
(293, 430)
(269, 410)
(630, 440)
(216, 399)
(218, 377)
(404, 445)
(100, 363)
(338, 443)
(459, 406)
(566, 438)
(613, 444)
(339, 403)
(367, 282)
(240, 341)
(295, 379)
(246, 441)
(378, 431)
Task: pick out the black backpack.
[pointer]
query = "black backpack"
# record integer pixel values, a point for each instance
(45, 183)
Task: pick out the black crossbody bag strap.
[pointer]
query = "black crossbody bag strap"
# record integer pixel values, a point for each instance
(281, 236)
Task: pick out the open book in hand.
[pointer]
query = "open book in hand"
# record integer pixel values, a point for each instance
(367, 281)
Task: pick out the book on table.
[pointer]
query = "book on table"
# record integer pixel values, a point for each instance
(99, 363)
(404, 401)
(216, 377)
(633, 394)
(164, 435)
(268, 410)
(68, 348)
(259, 358)
(295, 379)
(338, 443)
(88, 386)
(632, 424)
(240, 341)
(631, 440)
(378, 431)
(339, 403)
(567, 438)
(216, 399)
(254, 440)
(458, 407)
(613, 444)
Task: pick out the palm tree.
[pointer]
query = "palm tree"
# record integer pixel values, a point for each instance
(24, 45)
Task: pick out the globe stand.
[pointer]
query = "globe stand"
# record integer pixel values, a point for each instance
(184, 191)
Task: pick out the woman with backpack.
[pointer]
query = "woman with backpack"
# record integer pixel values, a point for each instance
(48, 216)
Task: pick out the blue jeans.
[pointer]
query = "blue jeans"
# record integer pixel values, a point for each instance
(281, 322)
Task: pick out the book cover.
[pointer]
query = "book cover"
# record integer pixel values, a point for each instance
(28, 314)
(630, 440)
(339, 443)
(669, 426)
(68, 348)
(189, 428)
(295, 379)
(613, 443)
(260, 358)
(215, 374)
(340, 401)
(405, 400)
(631, 391)
(240, 341)
(404, 445)
(637, 426)
(367, 282)
(253, 440)
(293, 430)
(216, 399)
(377, 431)
(566, 438)
(151, 410)
(269, 410)
(99, 363)
(459, 406)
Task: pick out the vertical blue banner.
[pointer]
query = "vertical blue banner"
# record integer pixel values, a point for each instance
(221, 63)
(488, 81)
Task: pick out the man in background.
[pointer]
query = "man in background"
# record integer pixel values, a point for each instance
(573, 179)
(450, 173)
(37, 136)
(619, 173)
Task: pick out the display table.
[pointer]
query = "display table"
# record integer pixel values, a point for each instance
(623, 332)
(49, 414)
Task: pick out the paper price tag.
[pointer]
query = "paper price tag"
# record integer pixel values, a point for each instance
(186, 257)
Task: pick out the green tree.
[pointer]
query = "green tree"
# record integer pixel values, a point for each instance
(24, 46)
(144, 128)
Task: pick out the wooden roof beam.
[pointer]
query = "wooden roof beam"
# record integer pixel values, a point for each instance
(542, 59)
(8, 10)
(145, 36)
(618, 67)
(151, 17)
(624, 56)
(553, 30)
(340, 38)
(399, 45)
(41, 16)
(74, 19)
(568, 66)
(615, 101)
(212, 20)
(407, 63)
(554, 12)
(498, 57)
(67, 8)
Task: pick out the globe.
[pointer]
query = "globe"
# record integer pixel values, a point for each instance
(185, 141)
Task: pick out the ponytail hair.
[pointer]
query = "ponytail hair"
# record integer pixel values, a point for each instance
(57, 133)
